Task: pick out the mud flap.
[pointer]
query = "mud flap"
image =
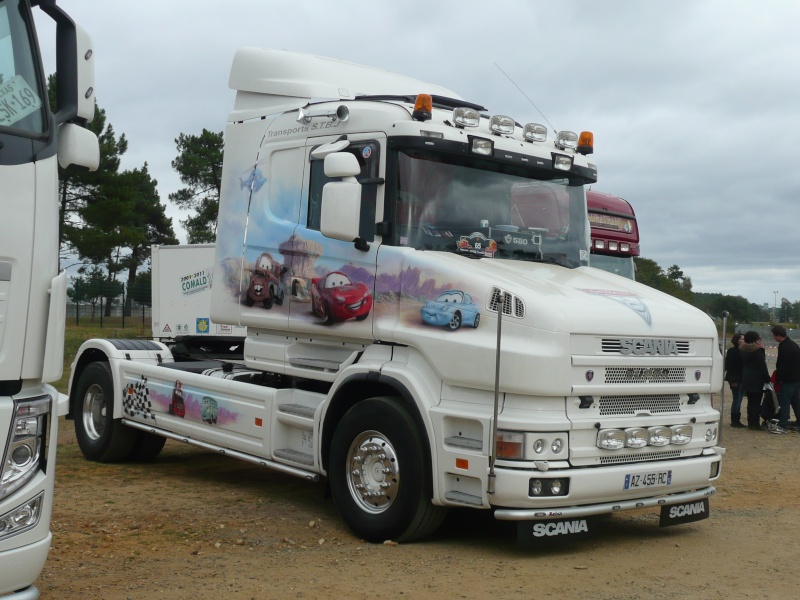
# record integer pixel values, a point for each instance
(532, 533)
(689, 512)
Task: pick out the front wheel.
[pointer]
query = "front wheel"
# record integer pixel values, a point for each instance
(379, 476)
(100, 436)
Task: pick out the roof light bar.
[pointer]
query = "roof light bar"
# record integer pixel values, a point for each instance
(534, 132)
(501, 125)
(466, 117)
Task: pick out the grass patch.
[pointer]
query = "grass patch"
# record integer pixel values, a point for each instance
(75, 335)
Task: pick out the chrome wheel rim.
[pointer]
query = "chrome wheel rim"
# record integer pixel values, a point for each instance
(373, 472)
(94, 412)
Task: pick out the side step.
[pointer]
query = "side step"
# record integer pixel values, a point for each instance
(270, 464)
(295, 456)
(464, 498)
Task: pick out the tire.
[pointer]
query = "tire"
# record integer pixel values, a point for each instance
(248, 300)
(477, 321)
(268, 299)
(100, 436)
(148, 446)
(374, 436)
(279, 299)
(455, 322)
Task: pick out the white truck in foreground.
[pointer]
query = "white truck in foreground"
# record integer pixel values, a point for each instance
(422, 326)
(33, 142)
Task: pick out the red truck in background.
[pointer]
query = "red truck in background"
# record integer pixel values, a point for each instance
(615, 235)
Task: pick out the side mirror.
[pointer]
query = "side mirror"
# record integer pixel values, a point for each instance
(77, 146)
(341, 200)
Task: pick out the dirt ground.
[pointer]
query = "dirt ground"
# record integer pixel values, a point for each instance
(197, 525)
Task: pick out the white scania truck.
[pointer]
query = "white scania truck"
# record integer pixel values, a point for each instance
(422, 326)
(33, 142)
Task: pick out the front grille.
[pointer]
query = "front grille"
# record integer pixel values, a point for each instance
(614, 346)
(629, 458)
(632, 405)
(645, 374)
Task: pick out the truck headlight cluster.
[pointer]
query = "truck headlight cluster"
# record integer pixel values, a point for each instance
(510, 445)
(26, 442)
(639, 437)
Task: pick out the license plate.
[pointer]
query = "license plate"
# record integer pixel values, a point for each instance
(635, 481)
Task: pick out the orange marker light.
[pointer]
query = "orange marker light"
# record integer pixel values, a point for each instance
(259, 422)
(423, 107)
(462, 463)
(586, 142)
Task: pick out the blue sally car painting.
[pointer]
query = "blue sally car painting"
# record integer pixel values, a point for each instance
(451, 309)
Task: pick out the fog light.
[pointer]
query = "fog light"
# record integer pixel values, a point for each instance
(613, 246)
(659, 436)
(714, 469)
(466, 117)
(611, 439)
(599, 244)
(23, 517)
(681, 434)
(534, 132)
(625, 247)
(567, 140)
(636, 437)
(501, 125)
(536, 487)
(555, 487)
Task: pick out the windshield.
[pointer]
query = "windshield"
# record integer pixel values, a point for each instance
(444, 203)
(614, 264)
(20, 93)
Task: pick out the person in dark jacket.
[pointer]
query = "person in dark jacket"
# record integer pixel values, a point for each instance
(787, 374)
(754, 375)
(733, 375)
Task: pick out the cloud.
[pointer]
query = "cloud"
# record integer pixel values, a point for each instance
(693, 103)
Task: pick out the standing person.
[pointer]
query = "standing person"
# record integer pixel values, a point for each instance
(787, 370)
(754, 375)
(733, 375)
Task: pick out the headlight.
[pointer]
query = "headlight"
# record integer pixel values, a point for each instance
(611, 439)
(26, 442)
(659, 436)
(681, 434)
(636, 437)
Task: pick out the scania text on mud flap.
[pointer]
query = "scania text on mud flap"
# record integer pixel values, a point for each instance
(33, 143)
(442, 341)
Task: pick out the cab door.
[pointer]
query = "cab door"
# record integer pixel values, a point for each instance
(333, 281)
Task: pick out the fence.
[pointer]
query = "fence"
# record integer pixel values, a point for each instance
(109, 303)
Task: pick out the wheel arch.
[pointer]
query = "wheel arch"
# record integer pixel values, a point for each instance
(84, 359)
(362, 386)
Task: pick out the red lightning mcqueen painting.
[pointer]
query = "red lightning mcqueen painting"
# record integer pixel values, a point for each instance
(335, 298)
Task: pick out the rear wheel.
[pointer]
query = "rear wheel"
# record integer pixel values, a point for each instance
(379, 476)
(100, 436)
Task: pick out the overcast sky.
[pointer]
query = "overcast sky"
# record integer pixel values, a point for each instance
(695, 105)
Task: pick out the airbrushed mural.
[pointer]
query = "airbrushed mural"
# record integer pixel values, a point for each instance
(145, 400)
(280, 270)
